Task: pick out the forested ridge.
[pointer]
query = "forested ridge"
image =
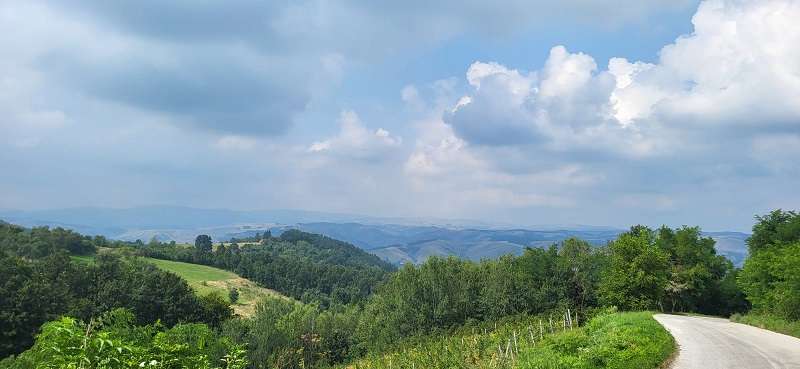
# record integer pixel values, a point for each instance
(350, 305)
(305, 266)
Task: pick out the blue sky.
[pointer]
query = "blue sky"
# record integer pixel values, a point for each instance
(524, 112)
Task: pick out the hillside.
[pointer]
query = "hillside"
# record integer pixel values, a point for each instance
(304, 266)
(205, 279)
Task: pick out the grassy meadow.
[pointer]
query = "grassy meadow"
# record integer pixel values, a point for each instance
(205, 279)
(612, 340)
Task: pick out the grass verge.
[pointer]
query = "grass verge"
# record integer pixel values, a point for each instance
(612, 340)
(771, 322)
(621, 340)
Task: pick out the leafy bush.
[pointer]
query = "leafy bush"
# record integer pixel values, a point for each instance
(113, 342)
(771, 275)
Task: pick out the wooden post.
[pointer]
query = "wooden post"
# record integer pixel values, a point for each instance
(541, 329)
(551, 324)
(569, 316)
(516, 347)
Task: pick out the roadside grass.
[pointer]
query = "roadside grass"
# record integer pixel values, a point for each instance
(612, 340)
(622, 340)
(770, 322)
(205, 279)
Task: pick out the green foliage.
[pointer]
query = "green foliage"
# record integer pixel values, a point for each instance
(771, 275)
(233, 295)
(113, 342)
(623, 340)
(39, 283)
(699, 279)
(669, 269)
(203, 243)
(611, 340)
(287, 334)
(637, 274)
(443, 293)
(40, 242)
(215, 309)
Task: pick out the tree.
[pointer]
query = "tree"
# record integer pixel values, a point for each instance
(203, 243)
(637, 273)
(215, 309)
(580, 265)
(696, 271)
(233, 295)
(771, 275)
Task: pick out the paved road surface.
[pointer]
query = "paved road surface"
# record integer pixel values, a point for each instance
(714, 343)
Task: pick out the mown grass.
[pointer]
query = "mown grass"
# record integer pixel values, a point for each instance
(770, 322)
(205, 279)
(612, 340)
(85, 259)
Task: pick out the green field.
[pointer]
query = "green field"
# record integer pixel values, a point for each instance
(193, 273)
(86, 259)
(205, 279)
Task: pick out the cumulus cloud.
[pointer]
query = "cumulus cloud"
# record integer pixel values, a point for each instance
(738, 71)
(355, 140)
(719, 108)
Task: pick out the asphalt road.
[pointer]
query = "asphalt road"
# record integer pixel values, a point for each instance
(715, 343)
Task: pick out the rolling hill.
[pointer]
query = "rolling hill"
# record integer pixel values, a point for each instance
(393, 239)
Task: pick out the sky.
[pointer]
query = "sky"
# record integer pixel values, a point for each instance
(526, 112)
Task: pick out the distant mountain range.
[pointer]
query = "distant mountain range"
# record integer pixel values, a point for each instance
(397, 240)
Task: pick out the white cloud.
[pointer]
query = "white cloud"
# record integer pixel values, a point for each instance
(740, 68)
(719, 108)
(356, 140)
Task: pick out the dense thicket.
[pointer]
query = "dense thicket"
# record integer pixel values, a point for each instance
(443, 293)
(771, 275)
(287, 334)
(39, 282)
(308, 267)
